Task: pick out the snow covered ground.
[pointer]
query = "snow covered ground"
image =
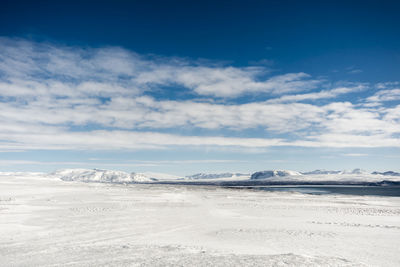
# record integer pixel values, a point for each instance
(50, 222)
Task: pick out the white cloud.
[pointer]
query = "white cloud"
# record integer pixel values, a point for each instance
(386, 85)
(355, 155)
(332, 93)
(354, 71)
(110, 140)
(225, 81)
(145, 112)
(385, 95)
(343, 140)
(55, 97)
(122, 71)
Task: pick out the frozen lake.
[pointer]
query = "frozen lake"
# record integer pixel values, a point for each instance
(48, 222)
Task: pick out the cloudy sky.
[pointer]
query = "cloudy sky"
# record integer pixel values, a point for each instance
(182, 88)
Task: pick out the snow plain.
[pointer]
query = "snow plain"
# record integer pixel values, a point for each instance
(50, 222)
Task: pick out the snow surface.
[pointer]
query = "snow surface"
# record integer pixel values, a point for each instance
(50, 222)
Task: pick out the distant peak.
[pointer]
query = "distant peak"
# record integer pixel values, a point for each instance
(273, 173)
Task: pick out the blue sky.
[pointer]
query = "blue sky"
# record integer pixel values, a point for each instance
(183, 87)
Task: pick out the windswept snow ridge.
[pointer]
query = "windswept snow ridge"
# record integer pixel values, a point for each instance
(273, 173)
(100, 176)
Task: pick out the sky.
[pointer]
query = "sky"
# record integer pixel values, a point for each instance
(183, 87)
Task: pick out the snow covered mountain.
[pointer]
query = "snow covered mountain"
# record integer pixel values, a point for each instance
(162, 176)
(343, 177)
(318, 172)
(273, 173)
(355, 171)
(101, 176)
(286, 176)
(321, 172)
(388, 173)
(215, 175)
(33, 174)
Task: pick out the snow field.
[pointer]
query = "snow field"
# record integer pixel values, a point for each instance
(48, 222)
